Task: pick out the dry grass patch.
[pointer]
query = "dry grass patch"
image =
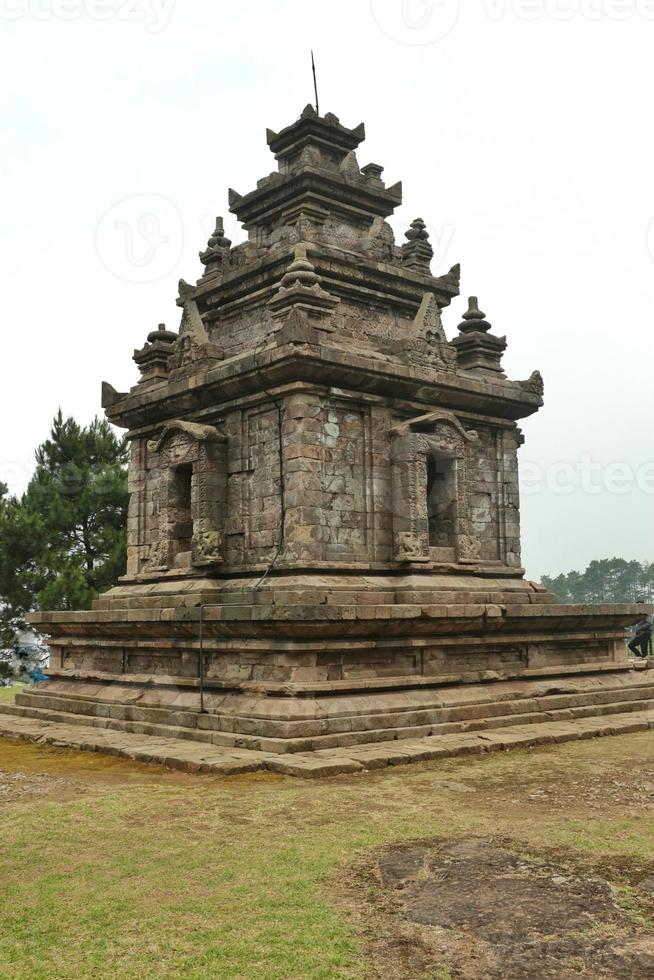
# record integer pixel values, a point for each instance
(124, 870)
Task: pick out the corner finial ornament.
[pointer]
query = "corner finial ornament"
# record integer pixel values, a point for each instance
(534, 384)
(478, 350)
(474, 318)
(217, 248)
(218, 239)
(417, 253)
(301, 286)
(301, 271)
(152, 358)
(417, 231)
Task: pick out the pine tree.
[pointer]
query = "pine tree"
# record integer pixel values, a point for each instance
(606, 580)
(63, 542)
(20, 542)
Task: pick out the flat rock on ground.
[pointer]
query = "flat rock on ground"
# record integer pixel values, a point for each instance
(480, 909)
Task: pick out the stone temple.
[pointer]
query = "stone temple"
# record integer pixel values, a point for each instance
(324, 521)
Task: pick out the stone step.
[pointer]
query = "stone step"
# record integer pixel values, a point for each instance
(366, 757)
(321, 731)
(370, 735)
(114, 724)
(216, 738)
(174, 753)
(100, 708)
(198, 758)
(498, 699)
(356, 684)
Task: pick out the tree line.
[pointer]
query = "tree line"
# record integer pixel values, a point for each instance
(63, 541)
(607, 580)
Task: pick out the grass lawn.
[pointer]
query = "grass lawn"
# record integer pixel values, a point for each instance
(110, 869)
(9, 693)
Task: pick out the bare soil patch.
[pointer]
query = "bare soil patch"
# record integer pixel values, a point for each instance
(17, 786)
(479, 908)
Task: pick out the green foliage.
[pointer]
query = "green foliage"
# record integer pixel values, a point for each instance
(20, 534)
(608, 580)
(8, 694)
(63, 542)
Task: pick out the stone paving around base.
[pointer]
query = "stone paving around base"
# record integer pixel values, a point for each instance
(200, 758)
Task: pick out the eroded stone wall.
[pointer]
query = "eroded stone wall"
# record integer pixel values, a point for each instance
(324, 483)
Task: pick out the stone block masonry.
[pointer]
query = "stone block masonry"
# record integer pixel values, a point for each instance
(324, 520)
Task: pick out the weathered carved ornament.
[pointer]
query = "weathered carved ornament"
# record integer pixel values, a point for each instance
(419, 447)
(192, 462)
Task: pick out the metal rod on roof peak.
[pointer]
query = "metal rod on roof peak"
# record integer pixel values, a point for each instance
(315, 83)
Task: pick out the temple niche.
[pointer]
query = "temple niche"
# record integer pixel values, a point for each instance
(191, 467)
(324, 520)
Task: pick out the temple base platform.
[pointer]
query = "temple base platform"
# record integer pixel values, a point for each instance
(336, 664)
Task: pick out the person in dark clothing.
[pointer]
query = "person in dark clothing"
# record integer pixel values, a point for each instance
(642, 636)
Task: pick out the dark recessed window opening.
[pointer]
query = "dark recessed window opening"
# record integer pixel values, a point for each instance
(441, 501)
(180, 505)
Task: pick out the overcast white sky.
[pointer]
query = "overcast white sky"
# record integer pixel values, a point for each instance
(522, 131)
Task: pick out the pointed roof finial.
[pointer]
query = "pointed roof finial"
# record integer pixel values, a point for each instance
(417, 231)
(167, 336)
(417, 253)
(372, 171)
(217, 248)
(300, 287)
(473, 318)
(218, 239)
(301, 271)
(478, 350)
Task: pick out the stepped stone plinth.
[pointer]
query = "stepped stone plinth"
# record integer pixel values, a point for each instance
(324, 519)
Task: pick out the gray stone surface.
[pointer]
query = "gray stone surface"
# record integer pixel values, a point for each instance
(175, 753)
(323, 487)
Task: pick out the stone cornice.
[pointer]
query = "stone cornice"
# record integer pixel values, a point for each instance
(351, 197)
(346, 274)
(310, 127)
(252, 372)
